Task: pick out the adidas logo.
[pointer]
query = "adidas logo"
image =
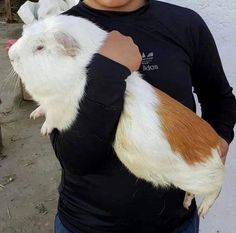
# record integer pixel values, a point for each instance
(146, 60)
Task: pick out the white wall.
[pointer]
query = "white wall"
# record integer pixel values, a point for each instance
(220, 16)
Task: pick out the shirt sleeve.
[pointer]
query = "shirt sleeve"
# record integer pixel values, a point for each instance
(87, 144)
(214, 93)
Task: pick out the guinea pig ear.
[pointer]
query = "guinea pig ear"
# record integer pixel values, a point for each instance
(69, 44)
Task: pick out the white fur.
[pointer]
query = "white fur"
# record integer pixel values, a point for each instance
(57, 82)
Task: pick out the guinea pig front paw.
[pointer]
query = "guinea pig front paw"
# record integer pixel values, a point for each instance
(188, 200)
(38, 112)
(46, 129)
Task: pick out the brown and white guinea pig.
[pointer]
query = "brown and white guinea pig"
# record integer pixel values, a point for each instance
(179, 148)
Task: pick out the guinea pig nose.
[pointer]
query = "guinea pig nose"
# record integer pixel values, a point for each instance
(13, 57)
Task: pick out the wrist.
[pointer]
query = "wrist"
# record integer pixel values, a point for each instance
(106, 81)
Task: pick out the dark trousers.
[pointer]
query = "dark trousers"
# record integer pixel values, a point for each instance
(192, 227)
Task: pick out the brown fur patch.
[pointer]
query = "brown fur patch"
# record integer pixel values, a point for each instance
(187, 133)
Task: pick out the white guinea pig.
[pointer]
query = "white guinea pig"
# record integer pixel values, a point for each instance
(179, 148)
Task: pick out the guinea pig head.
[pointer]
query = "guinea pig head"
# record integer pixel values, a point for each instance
(47, 59)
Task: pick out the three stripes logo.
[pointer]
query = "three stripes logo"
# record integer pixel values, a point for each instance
(146, 60)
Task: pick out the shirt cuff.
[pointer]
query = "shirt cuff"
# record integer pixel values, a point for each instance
(106, 81)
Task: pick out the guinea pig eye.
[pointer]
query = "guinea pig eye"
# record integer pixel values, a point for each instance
(39, 48)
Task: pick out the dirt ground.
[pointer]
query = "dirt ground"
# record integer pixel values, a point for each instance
(29, 171)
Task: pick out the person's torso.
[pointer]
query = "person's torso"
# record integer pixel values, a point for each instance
(111, 199)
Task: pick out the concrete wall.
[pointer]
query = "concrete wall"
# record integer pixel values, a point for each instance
(220, 16)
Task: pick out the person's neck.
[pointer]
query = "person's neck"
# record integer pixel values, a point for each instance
(130, 6)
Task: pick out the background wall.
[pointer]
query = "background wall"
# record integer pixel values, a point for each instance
(220, 16)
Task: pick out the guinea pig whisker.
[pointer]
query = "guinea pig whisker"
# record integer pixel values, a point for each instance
(11, 78)
(10, 74)
(9, 81)
(16, 80)
(16, 84)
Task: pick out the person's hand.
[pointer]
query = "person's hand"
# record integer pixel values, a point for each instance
(224, 147)
(121, 49)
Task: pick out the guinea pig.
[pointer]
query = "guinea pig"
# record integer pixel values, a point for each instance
(179, 149)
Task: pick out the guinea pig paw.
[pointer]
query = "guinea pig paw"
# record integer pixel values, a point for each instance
(207, 203)
(46, 129)
(188, 200)
(38, 112)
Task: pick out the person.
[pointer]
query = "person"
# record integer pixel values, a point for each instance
(174, 50)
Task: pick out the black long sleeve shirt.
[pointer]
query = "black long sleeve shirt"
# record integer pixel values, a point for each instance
(97, 193)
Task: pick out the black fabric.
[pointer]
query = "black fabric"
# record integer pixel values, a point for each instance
(97, 193)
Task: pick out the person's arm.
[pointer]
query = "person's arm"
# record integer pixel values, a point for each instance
(86, 146)
(214, 93)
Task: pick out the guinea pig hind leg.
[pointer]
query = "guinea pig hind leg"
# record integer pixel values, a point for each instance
(188, 200)
(38, 112)
(207, 202)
